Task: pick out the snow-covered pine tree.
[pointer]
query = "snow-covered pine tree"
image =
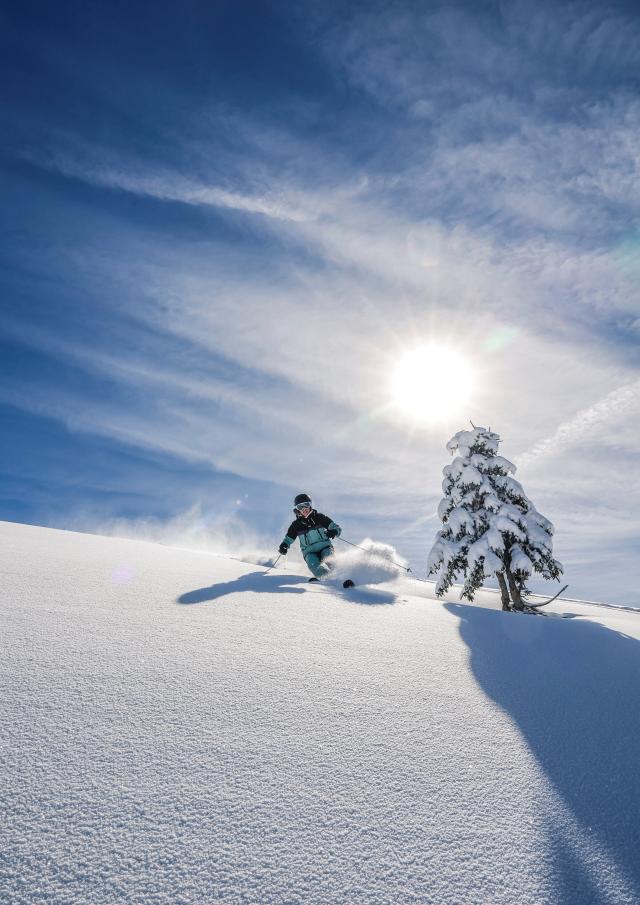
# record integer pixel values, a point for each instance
(490, 527)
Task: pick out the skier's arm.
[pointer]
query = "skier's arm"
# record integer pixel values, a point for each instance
(333, 529)
(288, 539)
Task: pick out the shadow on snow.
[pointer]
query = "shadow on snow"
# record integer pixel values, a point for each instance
(573, 690)
(273, 583)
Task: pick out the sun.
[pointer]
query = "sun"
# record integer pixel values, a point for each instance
(432, 382)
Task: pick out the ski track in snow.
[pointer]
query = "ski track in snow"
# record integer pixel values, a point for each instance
(179, 727)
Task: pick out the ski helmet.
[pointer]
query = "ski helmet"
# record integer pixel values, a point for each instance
(300, 500)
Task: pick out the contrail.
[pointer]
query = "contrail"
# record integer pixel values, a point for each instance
(613, 403)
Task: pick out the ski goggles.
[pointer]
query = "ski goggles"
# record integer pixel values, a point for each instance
(300, 506)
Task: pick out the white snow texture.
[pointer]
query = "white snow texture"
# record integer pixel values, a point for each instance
(180, 727)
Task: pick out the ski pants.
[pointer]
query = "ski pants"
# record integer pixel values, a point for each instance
(315, 561)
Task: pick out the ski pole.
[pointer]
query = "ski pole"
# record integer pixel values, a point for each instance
(372, 553)
(273, 564)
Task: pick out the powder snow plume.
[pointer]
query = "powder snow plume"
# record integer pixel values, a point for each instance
(227, 535)
(371, 562)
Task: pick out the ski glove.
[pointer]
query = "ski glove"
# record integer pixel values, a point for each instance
(331, 533)
(283, 548)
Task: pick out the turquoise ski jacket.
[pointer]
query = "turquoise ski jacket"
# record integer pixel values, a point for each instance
(311, 531)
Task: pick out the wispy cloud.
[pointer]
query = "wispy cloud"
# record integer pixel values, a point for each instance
(408, 52)
(168, 186)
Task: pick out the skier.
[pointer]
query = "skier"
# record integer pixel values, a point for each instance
(316, 531)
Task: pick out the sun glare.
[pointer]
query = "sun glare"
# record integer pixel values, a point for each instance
(431, 383)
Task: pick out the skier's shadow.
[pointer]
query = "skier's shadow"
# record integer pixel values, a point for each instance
(258, 582)
(273, 583)
(573, 690)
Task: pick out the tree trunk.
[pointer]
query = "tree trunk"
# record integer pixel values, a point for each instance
(504, 591)
(515, 590)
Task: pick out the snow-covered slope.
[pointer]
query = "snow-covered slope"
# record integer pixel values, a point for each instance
(181, 727)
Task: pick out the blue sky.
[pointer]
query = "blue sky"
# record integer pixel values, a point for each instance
(223, 225)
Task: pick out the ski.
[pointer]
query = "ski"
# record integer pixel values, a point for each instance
(348, 583)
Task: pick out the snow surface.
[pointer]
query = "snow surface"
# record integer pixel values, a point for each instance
(183, 727)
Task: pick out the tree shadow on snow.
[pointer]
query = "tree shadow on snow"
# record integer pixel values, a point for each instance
(573, 689)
